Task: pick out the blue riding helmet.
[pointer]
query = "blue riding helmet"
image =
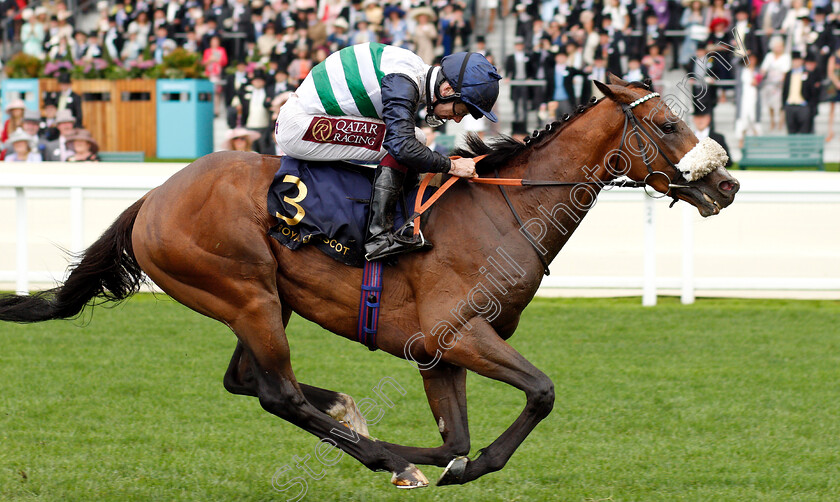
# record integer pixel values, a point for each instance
(475, 81)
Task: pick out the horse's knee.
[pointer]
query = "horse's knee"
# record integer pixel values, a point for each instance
(541, 397)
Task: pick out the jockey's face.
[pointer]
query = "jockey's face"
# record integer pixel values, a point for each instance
(453, 110)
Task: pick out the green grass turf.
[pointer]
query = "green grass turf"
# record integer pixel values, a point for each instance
(723, 400)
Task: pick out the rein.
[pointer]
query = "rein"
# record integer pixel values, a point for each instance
(421, 207)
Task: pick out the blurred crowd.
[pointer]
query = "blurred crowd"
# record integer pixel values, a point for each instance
(779, 57)
(55, 136)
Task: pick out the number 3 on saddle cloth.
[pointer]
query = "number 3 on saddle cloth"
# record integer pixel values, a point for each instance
(326, 204)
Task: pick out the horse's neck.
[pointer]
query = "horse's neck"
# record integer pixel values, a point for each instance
(575, 155)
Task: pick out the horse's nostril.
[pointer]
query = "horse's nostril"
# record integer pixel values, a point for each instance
(726, 186)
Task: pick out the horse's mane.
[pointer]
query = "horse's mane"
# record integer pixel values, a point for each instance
(500, 150)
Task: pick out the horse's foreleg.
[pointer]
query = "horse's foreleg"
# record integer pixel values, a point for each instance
(240, 379)
(446, 391)
(483, 351)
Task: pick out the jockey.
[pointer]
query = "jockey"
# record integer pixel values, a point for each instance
(359, 104)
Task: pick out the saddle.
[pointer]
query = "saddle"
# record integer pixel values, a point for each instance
(326, 204)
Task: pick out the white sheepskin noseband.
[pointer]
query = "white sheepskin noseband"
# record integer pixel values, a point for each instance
(705, 157)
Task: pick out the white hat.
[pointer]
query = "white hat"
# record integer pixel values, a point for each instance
(239, 132)
(19, 135)
(16, 103)
(26, 14)
(340, 22)
(40, 10)
(419, 11)
(64, 116)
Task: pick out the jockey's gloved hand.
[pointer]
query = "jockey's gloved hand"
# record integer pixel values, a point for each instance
(465, 168)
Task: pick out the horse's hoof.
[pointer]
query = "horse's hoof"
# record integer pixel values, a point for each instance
(454, 472)
(409, 478)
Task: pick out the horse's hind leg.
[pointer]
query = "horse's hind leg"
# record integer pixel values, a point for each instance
(260, 328)
(445, 387)
(240, 379)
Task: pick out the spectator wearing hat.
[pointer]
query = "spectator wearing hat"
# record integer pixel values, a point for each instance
(84, 146)
(14, 110)
(719, 10)
(62, 31)
(48, 130)
(363, 33)
(395, 29)
(519, 66)
(797, 26)
(66, 99)
(339, 38)
(702, 77)
(597, 72)
(61, 149)
(611, 48)
(112, 39)
(825, 40)
(743, 29)
(240, 140)
(94, 50)
(653, 34)
(480, 46)
(703, 129)
(800, 94)
(33, 32)
(162, 45)
(353, 12)
(424, 34)
(32, 127)
(80, 46)
(279, 85)
(816, 75)
(255, 102)
(20, 147)
(266, 41)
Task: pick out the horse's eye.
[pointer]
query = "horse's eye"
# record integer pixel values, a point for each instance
(669, 128)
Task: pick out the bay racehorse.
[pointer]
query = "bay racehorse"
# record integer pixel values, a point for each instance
(202, 238)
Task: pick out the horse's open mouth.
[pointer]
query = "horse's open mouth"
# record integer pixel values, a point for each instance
(711, 193)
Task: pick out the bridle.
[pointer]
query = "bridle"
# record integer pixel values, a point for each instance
(637, 130)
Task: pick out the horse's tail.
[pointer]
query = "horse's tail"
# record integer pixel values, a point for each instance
(108, 271)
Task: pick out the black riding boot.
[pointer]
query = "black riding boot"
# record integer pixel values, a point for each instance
(382, 241)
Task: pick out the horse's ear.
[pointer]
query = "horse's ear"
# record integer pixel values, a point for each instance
(605, 89)
(614, 80)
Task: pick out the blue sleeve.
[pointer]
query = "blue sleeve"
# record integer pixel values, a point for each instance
(400, 98)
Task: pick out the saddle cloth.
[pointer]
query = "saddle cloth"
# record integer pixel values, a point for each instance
(325, 204)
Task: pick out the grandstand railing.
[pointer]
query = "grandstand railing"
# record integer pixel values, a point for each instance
(797, 191)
